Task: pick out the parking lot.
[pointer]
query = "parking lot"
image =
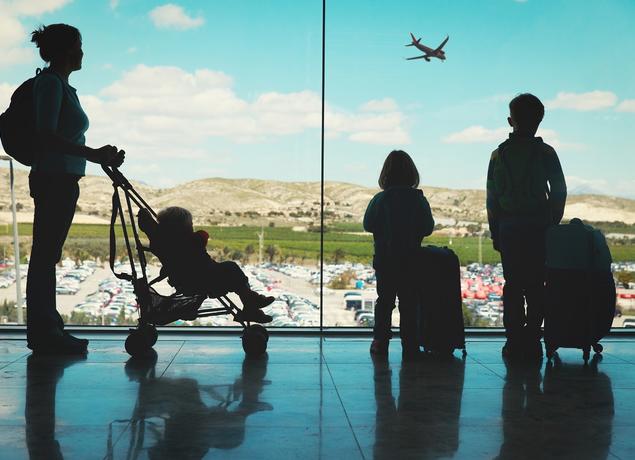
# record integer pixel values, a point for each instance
(88, 293)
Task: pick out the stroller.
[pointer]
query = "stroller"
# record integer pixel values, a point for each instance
(156, 309)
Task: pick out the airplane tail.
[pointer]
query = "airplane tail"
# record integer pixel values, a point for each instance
(414, 40)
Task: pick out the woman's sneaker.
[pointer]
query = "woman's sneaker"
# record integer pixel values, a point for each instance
(76, 340)
(60, 345)
(379, 347)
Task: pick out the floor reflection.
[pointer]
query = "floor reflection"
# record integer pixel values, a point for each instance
(185, 418)
(42, 376)
(571, 416)
(424, 419)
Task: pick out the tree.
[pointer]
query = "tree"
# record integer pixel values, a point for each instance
(80, 317)
(472, 320)
(272, 251)
(237, 254)
(8, 311)
(249, 251)
(121, 317)
(338, 255)
(343, 281)
(624, 278)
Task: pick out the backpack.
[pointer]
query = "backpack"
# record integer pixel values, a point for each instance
(17, 124)
(521, 180)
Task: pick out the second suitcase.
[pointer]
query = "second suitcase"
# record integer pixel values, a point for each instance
(580, 290)
(441, 306)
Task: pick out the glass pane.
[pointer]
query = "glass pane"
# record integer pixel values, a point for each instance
(218, 109)
(450, 114)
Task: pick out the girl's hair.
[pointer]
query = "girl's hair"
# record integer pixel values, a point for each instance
(398, 170)
(55, 40)
(175, 219)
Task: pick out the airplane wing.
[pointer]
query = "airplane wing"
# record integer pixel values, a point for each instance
(425, 56)
(443, 43)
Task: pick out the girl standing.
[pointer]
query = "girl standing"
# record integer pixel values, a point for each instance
(398, 217)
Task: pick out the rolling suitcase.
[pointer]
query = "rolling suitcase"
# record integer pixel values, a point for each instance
(440, 306)
(580, 290)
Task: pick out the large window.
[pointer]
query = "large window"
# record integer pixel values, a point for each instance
(219, 109)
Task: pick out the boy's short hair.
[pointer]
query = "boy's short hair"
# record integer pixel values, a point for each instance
(398, 170)
(175, 218)
(527, 111)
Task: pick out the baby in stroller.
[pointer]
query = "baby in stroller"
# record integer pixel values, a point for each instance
(190, 268)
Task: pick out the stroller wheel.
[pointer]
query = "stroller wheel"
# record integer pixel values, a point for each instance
(254, 340)
(137, 344)
(260, 328)
(150, 332)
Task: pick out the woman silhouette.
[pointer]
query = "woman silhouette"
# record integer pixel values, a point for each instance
(53, 182)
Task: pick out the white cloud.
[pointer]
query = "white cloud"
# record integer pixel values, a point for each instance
(552, 138)
(13, 36)
(481, 135)
(477, 134)
(171, 16)
(114, 4)
(132, 50)
(386, 104)
(30, 7)
(584, 102)
(6, 91)
(627, 105)
(14, 39)
(168, 112)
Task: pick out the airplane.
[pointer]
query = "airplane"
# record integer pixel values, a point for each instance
(429, 52)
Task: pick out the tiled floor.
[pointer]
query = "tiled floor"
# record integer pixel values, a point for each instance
(313, 398)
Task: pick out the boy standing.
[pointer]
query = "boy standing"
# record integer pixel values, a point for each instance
(526, 193)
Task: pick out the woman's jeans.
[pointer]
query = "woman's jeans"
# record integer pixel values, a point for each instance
(392, 283)
(55, 197)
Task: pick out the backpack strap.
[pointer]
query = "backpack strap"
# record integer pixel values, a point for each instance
(38, 72)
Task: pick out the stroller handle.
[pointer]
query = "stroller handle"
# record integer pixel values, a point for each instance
(116, 176)
(119, 180)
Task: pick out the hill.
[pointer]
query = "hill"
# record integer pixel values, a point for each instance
(219, 201)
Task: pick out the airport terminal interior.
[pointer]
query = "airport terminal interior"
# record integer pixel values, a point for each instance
(270, 122)
(312, 397)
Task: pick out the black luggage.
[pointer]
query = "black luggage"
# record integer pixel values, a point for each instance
(441, 306)
(580, 290)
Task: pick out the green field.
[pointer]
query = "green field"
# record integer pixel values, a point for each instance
(342, 242)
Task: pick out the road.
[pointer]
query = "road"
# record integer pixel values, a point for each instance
(335, 313)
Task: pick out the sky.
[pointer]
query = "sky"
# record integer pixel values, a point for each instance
(233, 89)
